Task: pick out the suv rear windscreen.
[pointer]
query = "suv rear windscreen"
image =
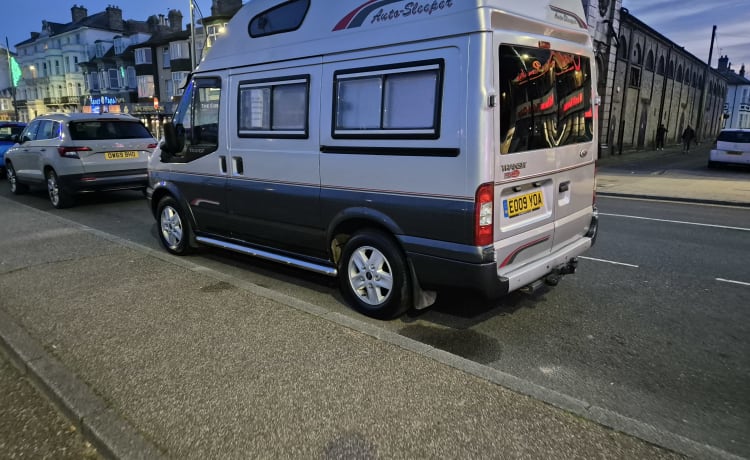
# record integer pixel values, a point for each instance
(734, 136)
(107, 129)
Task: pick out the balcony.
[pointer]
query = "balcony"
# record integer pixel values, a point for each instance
(53, 101)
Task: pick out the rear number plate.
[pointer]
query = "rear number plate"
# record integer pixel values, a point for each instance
(522, 204)
(120, 155)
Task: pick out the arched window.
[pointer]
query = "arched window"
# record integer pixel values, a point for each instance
(637, 57)
(622, 51)
(687, 76)
(678, 77)
(695, 80)
(670, 71)
(660, 67)
(650, 61)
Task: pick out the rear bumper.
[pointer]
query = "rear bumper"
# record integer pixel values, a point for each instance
(105, 181)
(723, 156)
(434, 271)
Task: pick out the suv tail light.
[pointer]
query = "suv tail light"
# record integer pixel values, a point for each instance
(71, 152)
(484, 205)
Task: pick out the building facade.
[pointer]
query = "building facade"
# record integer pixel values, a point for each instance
(646, 80)
(736, 110)
(78, 66)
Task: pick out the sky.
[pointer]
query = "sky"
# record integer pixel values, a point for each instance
(689, 23)
(686, 22)
(21, 17)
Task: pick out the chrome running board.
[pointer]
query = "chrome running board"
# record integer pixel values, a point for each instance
(297, 263)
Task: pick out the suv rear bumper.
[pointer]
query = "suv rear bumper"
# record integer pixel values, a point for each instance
(105, 181)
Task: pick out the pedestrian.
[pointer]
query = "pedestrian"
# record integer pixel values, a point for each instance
(661, 132)
(687, 137)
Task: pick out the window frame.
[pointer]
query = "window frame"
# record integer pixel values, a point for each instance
(403, 68)
(272, 83)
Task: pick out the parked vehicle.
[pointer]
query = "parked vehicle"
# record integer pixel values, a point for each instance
(9, 132)
(74, 153)
(732, 147)
(401, 146)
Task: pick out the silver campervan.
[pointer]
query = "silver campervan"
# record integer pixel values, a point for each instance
(398, 145)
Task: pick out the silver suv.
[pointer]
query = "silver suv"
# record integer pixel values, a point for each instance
(80, 152)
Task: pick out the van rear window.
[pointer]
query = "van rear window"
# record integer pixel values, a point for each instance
(734, 136)
(545, 99)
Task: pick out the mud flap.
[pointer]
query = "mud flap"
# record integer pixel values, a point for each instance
(422, 298)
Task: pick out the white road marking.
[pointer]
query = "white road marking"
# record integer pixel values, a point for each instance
(608, 261)
(733, 282)
(676, 222)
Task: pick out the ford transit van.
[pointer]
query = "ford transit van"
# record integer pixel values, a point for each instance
(398, 145)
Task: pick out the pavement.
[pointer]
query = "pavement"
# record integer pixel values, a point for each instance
(148, 355)
(664, 179)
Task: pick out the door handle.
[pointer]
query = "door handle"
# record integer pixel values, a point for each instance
(223, 164)
(564, 187)
(239, 167)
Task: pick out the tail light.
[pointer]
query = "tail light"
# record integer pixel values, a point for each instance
(484, 205)
(151, 146)
(71, 152)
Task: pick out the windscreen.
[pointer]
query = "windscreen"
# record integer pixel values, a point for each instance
(90, 130)
(545, 99)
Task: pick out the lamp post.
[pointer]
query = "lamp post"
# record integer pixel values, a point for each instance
(192, 35)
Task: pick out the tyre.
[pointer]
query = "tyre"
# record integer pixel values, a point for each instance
(58, 196)
(374, 277)
(16, 187)
(175, 230)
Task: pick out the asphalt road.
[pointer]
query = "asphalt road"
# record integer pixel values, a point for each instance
(653, 326)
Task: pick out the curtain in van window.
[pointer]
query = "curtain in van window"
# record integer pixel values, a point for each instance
(545, 99)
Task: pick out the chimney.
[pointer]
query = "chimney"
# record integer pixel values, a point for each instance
(723, 63)
(225, 7)
(742, 71)
(114, 17)
(175, 20)
(78, 13)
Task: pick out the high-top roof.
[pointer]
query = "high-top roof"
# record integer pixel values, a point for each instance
(314, 28)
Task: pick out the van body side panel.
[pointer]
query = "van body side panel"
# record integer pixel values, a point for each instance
(274, 179)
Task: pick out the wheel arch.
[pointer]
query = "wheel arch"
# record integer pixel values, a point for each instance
(349, 221)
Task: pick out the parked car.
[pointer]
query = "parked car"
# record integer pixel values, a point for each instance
(74, 153)
(732, 146)
(8, 129)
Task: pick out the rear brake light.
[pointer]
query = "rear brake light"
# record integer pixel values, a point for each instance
(71, 152)
(151, 146)
(483, 215)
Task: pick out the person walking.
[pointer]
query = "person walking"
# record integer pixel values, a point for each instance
(687, 137)
(661, 132)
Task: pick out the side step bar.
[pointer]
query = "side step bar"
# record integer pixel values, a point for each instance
(297, 263)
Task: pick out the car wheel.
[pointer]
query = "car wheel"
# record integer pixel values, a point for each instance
(16, 187)
(373, 275)
(174, 227)
(713, 164)
(59, 198)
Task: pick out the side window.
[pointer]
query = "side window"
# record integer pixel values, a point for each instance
(197, 118)
(48, 130)
(545, 99)
(282, 18)
(276, 108)
(391, 102)
(30, 132)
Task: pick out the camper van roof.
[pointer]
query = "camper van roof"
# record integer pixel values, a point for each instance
(306, 28)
